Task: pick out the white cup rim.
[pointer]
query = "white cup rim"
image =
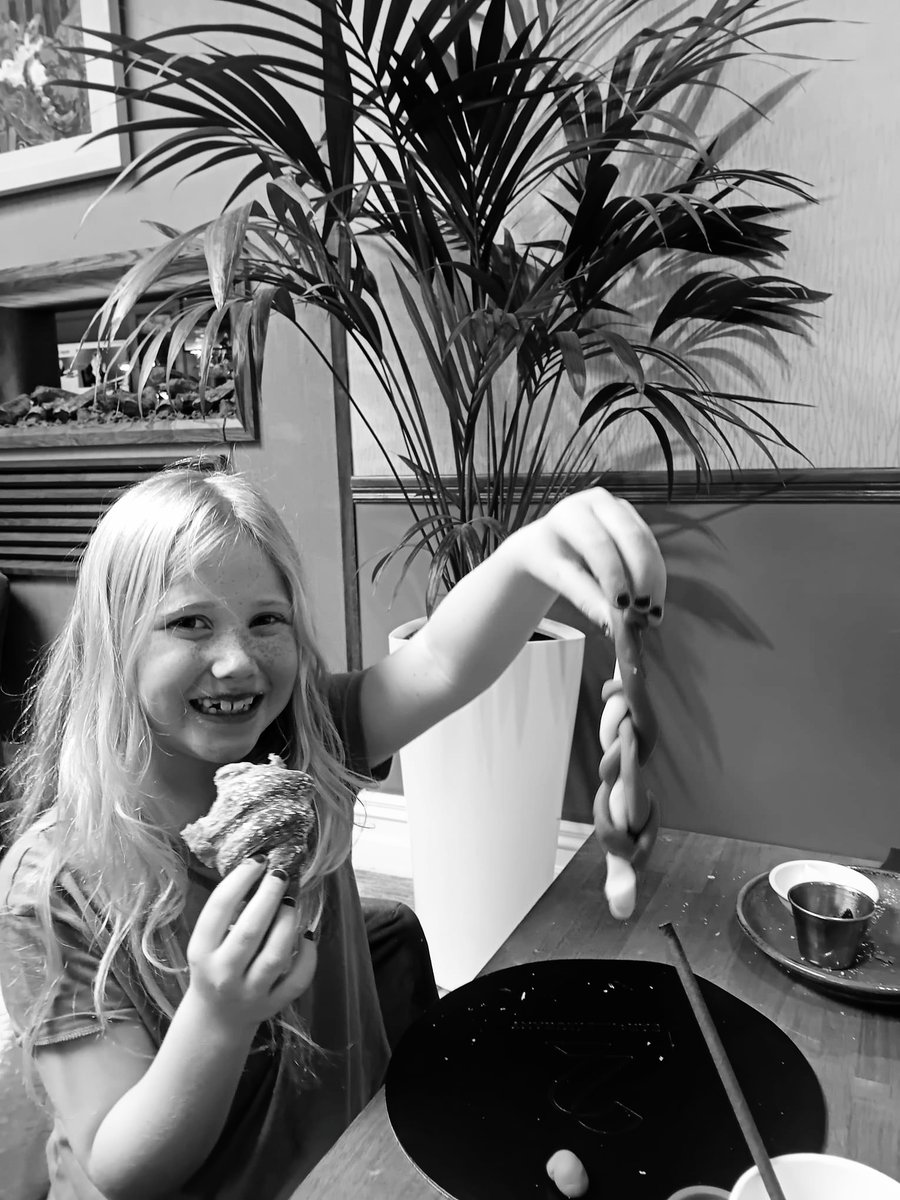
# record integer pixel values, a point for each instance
(810, 870)
(863, 1169)
(700, 1189)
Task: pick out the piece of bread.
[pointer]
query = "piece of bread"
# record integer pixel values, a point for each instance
(260, 808)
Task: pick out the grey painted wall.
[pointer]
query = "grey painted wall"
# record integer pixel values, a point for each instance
(775, 672)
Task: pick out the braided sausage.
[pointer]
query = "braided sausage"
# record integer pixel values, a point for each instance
(628, 733)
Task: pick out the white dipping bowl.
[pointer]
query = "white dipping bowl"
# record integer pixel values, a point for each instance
(807, 870)
(818, 1177)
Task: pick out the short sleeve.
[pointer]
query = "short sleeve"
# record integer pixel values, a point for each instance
(342, 694)
(24, 962)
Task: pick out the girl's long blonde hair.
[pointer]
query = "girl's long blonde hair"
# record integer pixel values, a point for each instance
(86, 742)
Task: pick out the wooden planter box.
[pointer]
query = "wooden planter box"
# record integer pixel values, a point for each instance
(30, 299)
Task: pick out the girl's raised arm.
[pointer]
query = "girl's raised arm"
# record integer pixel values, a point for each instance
(592, 548)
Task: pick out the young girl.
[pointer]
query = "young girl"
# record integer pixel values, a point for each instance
(192, 1038)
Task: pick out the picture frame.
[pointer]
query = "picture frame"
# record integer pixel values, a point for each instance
(35, 151)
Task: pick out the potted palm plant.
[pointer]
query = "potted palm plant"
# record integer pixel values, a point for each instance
(529, 202)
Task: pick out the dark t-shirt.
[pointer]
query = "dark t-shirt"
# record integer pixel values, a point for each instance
(276, 1131)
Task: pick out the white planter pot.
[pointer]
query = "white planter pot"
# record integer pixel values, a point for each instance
(484, 791)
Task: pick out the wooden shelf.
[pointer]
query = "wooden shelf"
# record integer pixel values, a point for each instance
(85, 280)
(161, 433)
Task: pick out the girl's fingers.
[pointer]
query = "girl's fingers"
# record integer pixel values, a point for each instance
(299, 975)
(608, 559)
(591, 542)
(640, 554)
(580, 587)
(221, 909)
(248, 932)
(274, 956)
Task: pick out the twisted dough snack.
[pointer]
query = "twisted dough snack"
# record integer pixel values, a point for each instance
(628, 732)
(259, 809)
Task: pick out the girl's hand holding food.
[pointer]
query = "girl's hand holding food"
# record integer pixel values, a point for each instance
(598, 553)
(246, 956)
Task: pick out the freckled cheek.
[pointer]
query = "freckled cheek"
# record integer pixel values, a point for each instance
(279, 663)
(273, 655)
(164, 681)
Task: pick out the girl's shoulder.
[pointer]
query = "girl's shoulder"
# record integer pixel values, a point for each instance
(20, 867)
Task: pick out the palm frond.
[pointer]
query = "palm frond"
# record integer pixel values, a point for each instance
(442, 140)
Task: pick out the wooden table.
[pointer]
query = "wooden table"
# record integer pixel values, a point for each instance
(693, 881)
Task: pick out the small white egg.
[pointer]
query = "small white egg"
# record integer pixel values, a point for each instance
(568, 1173)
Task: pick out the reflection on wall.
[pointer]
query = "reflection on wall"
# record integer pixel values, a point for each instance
(838, 133)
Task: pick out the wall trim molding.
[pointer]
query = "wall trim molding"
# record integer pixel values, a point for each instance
(807, 485)
(381, 836)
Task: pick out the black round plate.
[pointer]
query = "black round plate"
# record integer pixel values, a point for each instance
(603, 1058)
(874, 979)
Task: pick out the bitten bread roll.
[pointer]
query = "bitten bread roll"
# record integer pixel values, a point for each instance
(259, 809)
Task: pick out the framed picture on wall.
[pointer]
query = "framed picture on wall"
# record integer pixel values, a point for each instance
(44, 128)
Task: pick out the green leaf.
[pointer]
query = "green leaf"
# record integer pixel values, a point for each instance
(223, 244)
(625, 353)
(573, 357)
(181, 328)
(135, 282)
(676, 420)
(603, 398)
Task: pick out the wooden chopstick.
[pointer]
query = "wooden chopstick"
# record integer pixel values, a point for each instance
(723, 1066)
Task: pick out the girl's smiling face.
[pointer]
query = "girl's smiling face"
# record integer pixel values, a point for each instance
(219, 666)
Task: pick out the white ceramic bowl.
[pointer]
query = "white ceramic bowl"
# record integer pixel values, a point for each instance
(819, 1177)
(806, 1177)
(806, 870)
(700, 1192)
